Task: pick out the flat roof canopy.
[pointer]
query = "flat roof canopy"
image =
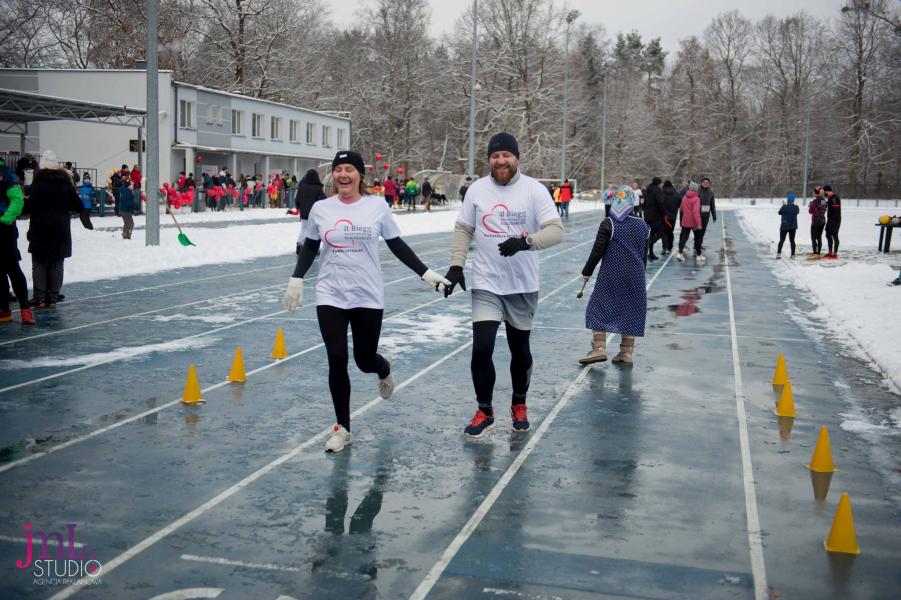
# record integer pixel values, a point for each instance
(18, 108)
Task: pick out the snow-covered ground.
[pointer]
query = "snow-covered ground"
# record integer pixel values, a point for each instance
(851, 296)
(243, 235)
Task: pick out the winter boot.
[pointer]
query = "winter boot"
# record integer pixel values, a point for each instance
(626, 346)
(598, 351)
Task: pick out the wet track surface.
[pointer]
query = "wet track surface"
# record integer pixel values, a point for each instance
(633, 490)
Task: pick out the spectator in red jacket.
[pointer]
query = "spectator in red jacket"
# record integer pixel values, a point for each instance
(390, 190)
(566, 196)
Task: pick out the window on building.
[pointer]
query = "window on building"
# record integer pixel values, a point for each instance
(237, 122)
(340, 138)
(311, 132)
(185, 114)
(326, 136)
(257, 126)
(210, 111)
(293, 126)
(275, 125)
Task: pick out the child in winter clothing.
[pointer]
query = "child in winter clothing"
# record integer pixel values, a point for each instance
(789, 212)
(691, 222)
(619, 301)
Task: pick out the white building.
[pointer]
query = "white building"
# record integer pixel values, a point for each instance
(201, 129)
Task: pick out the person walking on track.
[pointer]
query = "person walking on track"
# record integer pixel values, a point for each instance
(511, 216)
(691, 223)
(619, 301)
(11, 204)
(350, 289)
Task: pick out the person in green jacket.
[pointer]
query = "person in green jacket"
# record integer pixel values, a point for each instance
(411, 191)
(11, 203)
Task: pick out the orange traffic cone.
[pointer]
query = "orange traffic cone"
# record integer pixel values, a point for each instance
(821, 461)
(780, 375)
(279, 350)
(237, 374)
(842, 537)
(191, 394)
(786, 406)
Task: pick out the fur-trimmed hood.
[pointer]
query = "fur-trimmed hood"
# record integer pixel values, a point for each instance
(53, 176)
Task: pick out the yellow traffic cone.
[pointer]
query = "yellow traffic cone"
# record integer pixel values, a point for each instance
(279, 350)
(786, 406)
(237, 374)
(821, 461)
(780, 375)
(842, 537)
(192, 388)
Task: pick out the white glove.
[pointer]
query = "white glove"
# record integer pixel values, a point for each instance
(435, 281)
(294, 294)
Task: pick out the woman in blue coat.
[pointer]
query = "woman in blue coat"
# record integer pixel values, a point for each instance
(789, 212)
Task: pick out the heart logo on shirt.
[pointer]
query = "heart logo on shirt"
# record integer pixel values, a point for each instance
(492, 217)
(328, 231)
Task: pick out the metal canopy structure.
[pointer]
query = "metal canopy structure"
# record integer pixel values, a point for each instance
(18, 108)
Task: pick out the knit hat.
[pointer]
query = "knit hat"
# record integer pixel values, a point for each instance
(48, 160)
(827, 188)
(693, 186)
(503, 141)
(656, 181)
(791, 198)
(349, 157)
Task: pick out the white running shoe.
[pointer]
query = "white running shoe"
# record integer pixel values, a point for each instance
(340, 438)
(701, 259)
(680, 257)
(386, 385)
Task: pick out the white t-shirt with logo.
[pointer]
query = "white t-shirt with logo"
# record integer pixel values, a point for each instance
(350, 275)
(498, 212)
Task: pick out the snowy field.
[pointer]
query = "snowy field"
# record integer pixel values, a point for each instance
(852, 298)
(220, 237)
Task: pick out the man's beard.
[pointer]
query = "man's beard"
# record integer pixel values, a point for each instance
(504, 178)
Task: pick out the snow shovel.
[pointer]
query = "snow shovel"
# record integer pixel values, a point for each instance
(182, 238)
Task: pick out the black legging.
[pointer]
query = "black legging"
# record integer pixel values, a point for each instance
(656, 234)
(791, 239)
(482, 365)
(366, 326)
(9, 268)
(683, 238)
(816, 237)
(832, 237)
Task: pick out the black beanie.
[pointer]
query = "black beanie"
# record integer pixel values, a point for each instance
(349, 157)
(827, 188)
(656, 181)
(503, 141)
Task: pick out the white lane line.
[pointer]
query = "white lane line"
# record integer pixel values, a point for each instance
(755, 536)
(434, 574)
(135, 315)
(6, 538)
(156, 409)
(109, 566)
(166, 308)
(238, 563)
(190, 594)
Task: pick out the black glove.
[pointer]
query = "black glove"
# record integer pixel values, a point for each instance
(455, 276)
(513, 245)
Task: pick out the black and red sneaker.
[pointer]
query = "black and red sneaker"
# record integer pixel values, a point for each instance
(520, 419)
(480, 423)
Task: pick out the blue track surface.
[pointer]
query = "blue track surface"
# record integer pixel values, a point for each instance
(634, 489)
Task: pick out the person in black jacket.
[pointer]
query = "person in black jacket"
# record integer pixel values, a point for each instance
(833, 220)
(671, 203)
(52, 197)
(309, 191)
(708, 206)
(653, 214)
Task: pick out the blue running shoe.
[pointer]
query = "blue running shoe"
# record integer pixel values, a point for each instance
(479, 425)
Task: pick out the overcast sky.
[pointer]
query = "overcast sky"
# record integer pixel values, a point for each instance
(671, 20)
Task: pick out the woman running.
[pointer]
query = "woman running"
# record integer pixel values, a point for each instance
(350, 289)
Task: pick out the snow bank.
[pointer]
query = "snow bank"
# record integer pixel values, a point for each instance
(853, 301)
